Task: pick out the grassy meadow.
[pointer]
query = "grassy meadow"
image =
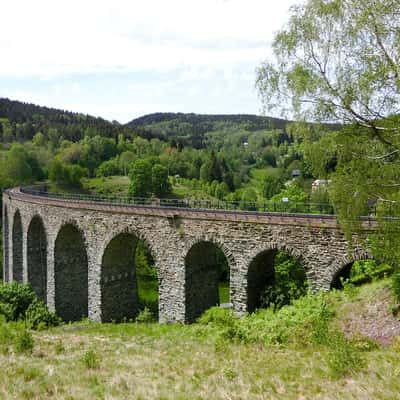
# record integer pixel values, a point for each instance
(282, 355)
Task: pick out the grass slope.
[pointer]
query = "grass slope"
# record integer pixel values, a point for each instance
(150, 361)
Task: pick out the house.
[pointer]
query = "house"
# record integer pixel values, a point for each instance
(318, 183)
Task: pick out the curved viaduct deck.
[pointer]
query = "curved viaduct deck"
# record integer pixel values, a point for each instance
(78, 254)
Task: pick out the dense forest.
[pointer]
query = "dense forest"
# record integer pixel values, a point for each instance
(232, 157)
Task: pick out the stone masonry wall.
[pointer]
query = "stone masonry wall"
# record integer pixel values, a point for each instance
(5, 245)
(170, 235)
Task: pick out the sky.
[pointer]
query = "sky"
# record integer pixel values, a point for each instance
(121, 59)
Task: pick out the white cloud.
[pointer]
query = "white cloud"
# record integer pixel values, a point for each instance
(48, 37)
(123, 58)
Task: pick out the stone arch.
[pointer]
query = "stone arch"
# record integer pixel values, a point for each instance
(6, 245)
(37, 257)
(138, 234)
(17, 248)
(119, 289)
(260, 270)
(342, 267)
(201, 276)
(71, 273)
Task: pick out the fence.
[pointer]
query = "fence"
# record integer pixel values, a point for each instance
(198, 204)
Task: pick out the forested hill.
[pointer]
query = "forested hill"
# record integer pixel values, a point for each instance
(21, 121)
(190, 129)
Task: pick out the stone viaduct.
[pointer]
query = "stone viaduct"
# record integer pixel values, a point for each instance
(78, 255)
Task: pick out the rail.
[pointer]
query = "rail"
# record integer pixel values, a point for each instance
(287, 207)
(387, 212)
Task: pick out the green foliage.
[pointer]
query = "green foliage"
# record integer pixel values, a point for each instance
(140, 176)
(159, 180)
(396, 285)
(24, 342)
(64, 174)
(289, 282)
(147, 278)
(108, 168)
(271, 186)
(148, 177)
(248, 200)
(364, 271)
(320, 196)
(220, 317)
(145, 316)
(91, 360)
(344, 357)
(39, 317)
(292, 323)
(357, 40)
(17, 167)
(293, 192)
(307, 322)
(19, 302)
(15, 298)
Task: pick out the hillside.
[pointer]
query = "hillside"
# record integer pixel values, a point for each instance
(292, 354)
(190, 129)
(21, 121)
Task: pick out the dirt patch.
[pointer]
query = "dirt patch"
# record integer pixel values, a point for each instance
(372, 318)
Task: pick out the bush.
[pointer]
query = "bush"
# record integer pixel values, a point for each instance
(145, 316)
(39, 317)
(292, 323)
(15, 299)
(344, 358)
(365, 271)
(289, 282)
(396, 285)
(24, 342)
(7, 335)
(91, 360)
(19, 302)
(221, 317)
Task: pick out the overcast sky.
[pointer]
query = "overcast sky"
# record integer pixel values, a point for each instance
(120, 59)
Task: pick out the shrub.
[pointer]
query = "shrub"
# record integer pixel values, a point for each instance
(145, 316)
(365, 271)
(292, 323)
(91, 360)
(382, 271)
(15, 299)
(24, 342)
(39, 317)
(19, 302)
(7, 335)
(289, 282)
(396, 285)
(221, 317)
(344, 358)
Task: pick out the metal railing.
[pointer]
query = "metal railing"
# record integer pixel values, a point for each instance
(190, 203)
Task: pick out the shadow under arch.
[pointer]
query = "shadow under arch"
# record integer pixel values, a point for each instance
(261, 272)
(37, 257)
(343, 269)
(71, 273)
(119, 277)
(6, 245)
(202, 276)
(17, 240)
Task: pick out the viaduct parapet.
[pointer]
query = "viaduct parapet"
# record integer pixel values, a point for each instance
(78, 255)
